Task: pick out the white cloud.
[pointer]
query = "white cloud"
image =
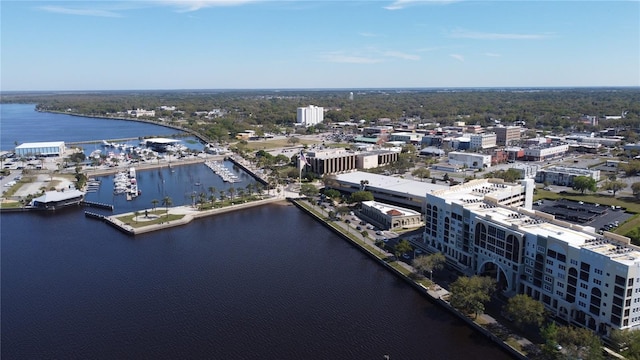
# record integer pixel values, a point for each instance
(350, 59)
(401, 55)
(194, 5)
(401, 4)
(80, 11)
(492, 54)
(457, 57)
(368, 56)
(464, 34)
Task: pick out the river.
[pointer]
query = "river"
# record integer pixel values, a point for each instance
(262, 283)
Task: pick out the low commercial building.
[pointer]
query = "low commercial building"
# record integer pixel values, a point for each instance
(389, 217)
(544, 153)
(53, 200)
(470, 160)
(52, 148)
(388, 189)
(335, 161)
(406, 137)
(564, 176)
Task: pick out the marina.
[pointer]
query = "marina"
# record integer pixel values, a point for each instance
(219, 169)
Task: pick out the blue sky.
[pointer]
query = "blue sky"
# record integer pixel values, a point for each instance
(236, 44)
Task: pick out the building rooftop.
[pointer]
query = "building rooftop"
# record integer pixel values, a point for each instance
(161, 141)
(40, 144)
(55, 196)
(472, 196)
(391, 183)
(390, 209)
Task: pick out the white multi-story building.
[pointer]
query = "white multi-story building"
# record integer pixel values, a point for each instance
(470, 160)
(562, 175)
(482, 141)
(310, 115)
(543, 153)
(587, 279)
(141, 112)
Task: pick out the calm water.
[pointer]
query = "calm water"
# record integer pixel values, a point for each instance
(263, 283)
(20, 123)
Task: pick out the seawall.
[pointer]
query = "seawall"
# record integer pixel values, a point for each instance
(427, 293)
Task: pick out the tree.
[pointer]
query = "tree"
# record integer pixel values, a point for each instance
(469, 294)
(308, 190)
(154, 203)
(330, 181)
(212, 193)
(635, 188)
(421, 173)
(403, 247)
(364, 234)
(582, 183)
(576, 343)
(429, 263)
(231, 191)
(167, 202)
(363, 184)
(360, 196)
(445, 177)
(525, 311)
(343, 210)
(614, 186)
(293, 140)
(628, 343)
(332, 193)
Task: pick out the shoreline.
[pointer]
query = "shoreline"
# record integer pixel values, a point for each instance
(199, 136)
(434, 293)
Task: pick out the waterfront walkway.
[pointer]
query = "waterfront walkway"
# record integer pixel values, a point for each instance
(437, 292)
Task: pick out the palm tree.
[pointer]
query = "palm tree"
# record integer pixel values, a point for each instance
(202, 197)
(135, 216)
(231, 192)
(241, 193)
(212, 191)
(167, 202)
(222, 192)
(193, 199)
(249, 189)
(154, 202)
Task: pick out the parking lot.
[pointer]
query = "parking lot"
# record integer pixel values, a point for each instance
(599, 217)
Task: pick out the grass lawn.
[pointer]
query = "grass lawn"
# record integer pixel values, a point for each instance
(162, 217)
(630, 204)
(278, 143)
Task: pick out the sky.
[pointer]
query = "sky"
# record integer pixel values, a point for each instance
(242, 44)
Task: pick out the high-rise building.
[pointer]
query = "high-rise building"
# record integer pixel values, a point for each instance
(506, 134)
(310, 115)
(487, 227)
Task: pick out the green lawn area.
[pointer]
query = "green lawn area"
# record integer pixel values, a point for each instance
(278, 143)
(630, 204)
(162, 217)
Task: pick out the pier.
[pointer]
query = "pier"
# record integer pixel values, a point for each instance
(96, 205)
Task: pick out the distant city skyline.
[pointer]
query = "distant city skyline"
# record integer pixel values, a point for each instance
(243, 44)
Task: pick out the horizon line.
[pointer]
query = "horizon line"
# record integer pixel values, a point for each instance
(335, 89)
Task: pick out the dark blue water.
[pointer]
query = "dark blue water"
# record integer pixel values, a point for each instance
(20, 123)
(179, 183)
(263, 283)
